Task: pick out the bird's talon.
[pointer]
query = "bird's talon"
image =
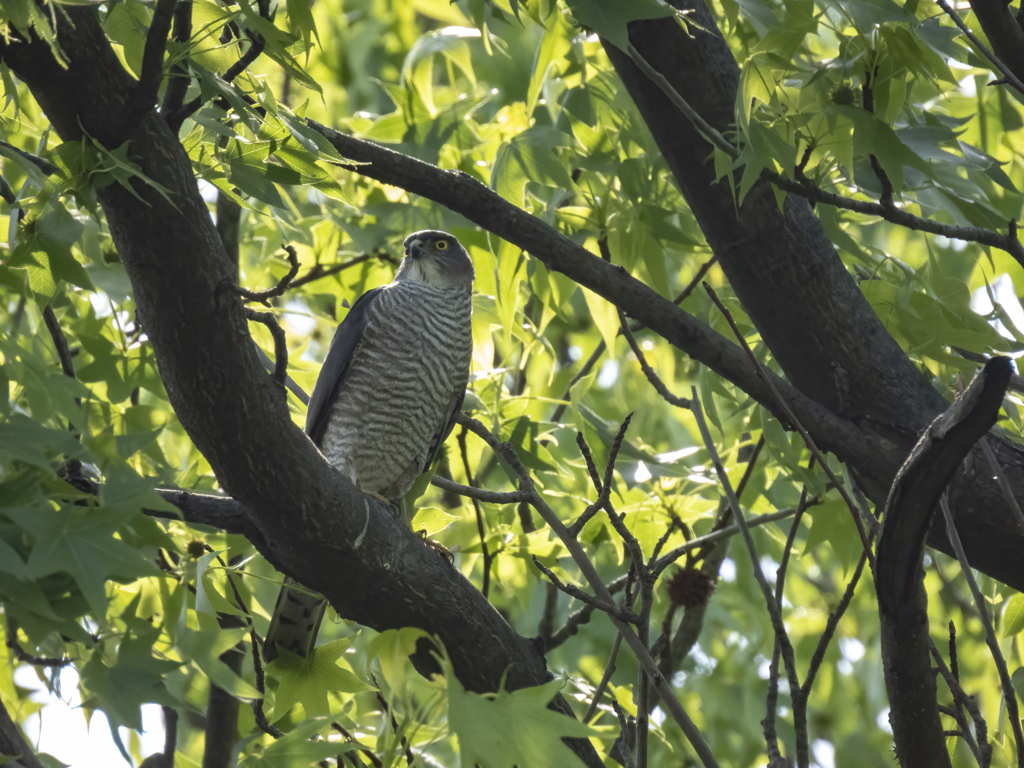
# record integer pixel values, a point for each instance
(437, 546)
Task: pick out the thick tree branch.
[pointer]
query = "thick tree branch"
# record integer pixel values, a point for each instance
(811, 314)
(897, 400)
(464, 194)
(301, 514)
(13, 744)
(1003, 32)
(902, 602)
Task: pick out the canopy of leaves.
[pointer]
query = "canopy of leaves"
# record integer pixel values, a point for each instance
(520, 95)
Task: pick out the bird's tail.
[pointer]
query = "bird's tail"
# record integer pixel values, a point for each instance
(296, 621)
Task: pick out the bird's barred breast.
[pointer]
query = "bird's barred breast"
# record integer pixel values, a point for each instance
(414, 355)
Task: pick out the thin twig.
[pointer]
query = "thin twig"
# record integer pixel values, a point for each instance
(624, 614)
(1000, 476)
(627, 758)
(601, 346)
(178, 79)
(24, 656)
(481, 530)
(60, 342)
(289, 382)
(1011, 78)
(773, 606)
(609, 670)
(868, 92)
(725, 511)
(148, 87)
(982, 748)
(256, 47)
(351, 740)
(280, 342)
(508, 452)
(702, 125)
(409, 757)
(318, 271)
(479, 494)
(1009, 693)
(830, 627)
(580, 617)
(257, 704)
(958, 706)
(656, 382)
(798, 697)
(804, 188)
(710, 538)
(795, 422)
(283, 284)
(900, 217)
(43, 165)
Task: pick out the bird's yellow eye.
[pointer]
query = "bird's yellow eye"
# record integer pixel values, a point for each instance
(441, 245)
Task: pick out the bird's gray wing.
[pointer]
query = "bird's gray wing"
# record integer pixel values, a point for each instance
(336, 365)
(446, 427)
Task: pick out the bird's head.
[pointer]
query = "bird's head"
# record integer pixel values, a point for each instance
(436, 258)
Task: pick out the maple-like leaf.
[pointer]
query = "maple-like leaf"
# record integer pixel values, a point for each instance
(508, 729)
(307, 680)
(80, 541)
(296, 750)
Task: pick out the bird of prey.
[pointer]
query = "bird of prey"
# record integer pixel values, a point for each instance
(388, 395)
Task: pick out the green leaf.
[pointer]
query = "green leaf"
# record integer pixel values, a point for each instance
(136, 679)
(204, 647)
(511, 273)
(605, 317)
(833, 523)
(432, 520)
(296, 749)
(1018, 682)
(610, 19)
(392, 649)
(555, 44)
(1013, 616)
(307, 681)
(509, 729)
(80, 541)
(530, 156)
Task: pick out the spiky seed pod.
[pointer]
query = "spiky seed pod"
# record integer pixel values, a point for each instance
(690, 588)
(843, 94)
(196, 548)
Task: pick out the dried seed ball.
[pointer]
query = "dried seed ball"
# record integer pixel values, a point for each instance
(689, 588)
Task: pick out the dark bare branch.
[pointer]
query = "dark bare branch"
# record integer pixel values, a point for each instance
(148, 88)
(283, 284)
(902, 602)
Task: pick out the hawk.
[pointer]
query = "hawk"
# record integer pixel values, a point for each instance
(388, 395)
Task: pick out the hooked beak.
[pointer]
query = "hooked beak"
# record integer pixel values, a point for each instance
(413, 250)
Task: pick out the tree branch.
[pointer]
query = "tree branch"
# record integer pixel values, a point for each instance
(1008, 74)
(795, 422)
(508, 452)
(13, 744)
(902, 602)
(283, 284)
(148, 88)
(178, 81)
(1009, 694)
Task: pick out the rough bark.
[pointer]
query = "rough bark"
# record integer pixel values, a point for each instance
(902, 601)
(792, 283)
(13, 744)
(995, 540)
(1004, 33)
(310, 522)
